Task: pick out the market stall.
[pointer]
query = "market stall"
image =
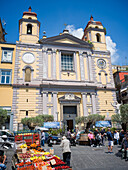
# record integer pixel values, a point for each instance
(33, 157)
(29, 137)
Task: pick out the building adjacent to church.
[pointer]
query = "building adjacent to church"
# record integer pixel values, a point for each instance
(7, 64)
(63, 76)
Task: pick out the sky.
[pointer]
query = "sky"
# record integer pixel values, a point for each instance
(53, 14)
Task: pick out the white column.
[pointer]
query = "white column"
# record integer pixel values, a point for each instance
(45, 63)
(82, 72)
(75, 65)
(45, 99)
(53, 64)
(94, 103)
(85, 110)
(59, 64)
(55, 106)
(90, 67)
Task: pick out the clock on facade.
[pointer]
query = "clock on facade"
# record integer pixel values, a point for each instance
(28, 58)
(101, 63)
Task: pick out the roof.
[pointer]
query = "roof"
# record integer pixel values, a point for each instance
(71, 41)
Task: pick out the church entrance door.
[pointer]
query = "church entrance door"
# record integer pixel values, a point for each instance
(69, 124)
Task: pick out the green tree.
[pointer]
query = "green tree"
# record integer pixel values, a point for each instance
(122, 117)
(82, 119)
(36, 121)
(95, 117)
(3, 117)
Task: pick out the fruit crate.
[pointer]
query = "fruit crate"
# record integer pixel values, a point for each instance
(18, 138)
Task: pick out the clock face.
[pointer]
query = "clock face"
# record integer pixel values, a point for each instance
(28, 58)
(101, 63)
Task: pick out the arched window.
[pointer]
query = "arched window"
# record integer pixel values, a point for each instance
(98, 38)
(96, 27)
(27, 74)
(29, 29)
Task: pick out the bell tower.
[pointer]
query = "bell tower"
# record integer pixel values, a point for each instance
(29, 27)
(94, 33)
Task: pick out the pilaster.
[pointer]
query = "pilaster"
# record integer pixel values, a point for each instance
(90, 67)
(82, 72)
(53, 64)
(85, 111)
(94, 103)
(45, 99)
(55, 106)
(45, 63)
(59, 64)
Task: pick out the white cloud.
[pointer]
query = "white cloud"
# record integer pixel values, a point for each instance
(76, 32)
(111, 46)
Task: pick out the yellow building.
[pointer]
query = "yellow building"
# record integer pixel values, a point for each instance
(62, 76)
(7, 64)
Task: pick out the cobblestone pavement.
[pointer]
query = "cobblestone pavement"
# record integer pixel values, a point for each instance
(86, 158)
(91, 158)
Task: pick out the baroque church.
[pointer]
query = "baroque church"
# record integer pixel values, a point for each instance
(63, 75)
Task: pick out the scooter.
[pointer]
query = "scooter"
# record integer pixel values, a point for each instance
(49, 141)
(7, 144)
(73, 141)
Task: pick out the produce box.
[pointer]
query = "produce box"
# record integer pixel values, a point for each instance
(18, 138)
(28, 137)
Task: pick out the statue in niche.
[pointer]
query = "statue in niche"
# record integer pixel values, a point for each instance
(116, 105)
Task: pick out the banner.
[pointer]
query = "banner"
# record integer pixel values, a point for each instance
(55, 125)
(103, 124)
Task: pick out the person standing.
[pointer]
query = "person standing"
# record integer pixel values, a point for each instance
(42, 138)
(91, 139)
(121, 136)
(102, 136)
(110, 141)
(96, 137)
(65, 144)
(116, 137)
(69, 134)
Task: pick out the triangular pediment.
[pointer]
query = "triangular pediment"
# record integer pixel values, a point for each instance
(66, 40)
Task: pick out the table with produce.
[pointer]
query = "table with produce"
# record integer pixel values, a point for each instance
(33, 157)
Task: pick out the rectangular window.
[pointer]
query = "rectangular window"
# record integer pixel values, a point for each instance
(67, 62)
(7, 55)
(26, 113)
(5, 76)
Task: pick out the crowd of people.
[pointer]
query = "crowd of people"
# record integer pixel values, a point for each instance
(98, 137)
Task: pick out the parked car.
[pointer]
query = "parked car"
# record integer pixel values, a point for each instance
(9, 134)
(55, 139)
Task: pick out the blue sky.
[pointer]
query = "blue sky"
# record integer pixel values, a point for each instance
(54, 13)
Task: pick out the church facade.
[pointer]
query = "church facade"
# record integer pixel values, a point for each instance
(63, 76)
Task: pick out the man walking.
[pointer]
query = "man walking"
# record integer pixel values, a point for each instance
(69, 134)
(42, 138)
(65, 144)
(110, 141)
